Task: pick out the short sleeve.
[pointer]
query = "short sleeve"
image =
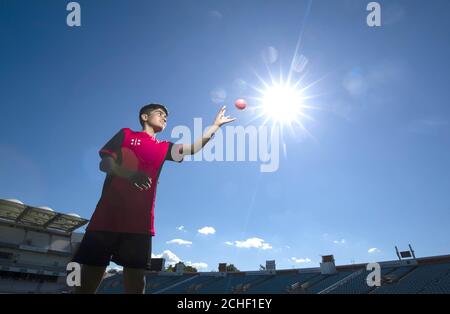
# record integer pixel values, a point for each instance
(113, 147)
(175, 152)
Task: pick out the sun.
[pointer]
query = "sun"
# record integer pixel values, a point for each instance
(282, 103)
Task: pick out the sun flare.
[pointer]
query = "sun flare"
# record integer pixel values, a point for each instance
(282, 103)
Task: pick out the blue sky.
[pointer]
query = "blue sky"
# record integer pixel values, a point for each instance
(374, 174)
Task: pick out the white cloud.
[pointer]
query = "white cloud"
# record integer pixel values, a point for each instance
(229, 243)
(179, 242)
(172, 259)
(300, 260)
(342, 241)
(251, 243)
(207, 230)
(169, 256)
(198, 266)
(181, 228)
(373, 250)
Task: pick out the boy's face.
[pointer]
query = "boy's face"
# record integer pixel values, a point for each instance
(157, 119)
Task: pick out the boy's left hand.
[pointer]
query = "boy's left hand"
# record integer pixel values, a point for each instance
(221, 119)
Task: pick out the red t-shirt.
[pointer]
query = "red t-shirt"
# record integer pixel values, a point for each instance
(122, 206)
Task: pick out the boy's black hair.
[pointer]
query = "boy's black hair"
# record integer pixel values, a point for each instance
(151, 107)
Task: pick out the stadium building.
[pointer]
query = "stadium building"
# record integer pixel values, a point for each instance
(36, 244)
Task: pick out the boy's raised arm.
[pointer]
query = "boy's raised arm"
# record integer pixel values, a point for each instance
(221, 119)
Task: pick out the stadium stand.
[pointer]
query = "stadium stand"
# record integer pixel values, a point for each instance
(421, 275)
(36, 244)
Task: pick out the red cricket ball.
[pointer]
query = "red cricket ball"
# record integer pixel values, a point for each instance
(240, 104)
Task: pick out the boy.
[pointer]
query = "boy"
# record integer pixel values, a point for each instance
(123, 222)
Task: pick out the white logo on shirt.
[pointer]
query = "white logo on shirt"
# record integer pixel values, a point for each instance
(135, 142)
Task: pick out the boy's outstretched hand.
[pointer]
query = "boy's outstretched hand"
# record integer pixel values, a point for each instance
(221, 119)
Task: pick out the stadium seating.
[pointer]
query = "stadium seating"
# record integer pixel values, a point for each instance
(438, 285)
(417, 280)
(279, 284)
(358, 284)
(400, 278)
(326, 281)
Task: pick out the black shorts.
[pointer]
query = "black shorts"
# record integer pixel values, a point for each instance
(98, 248)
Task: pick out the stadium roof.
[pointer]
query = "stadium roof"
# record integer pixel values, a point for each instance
(16, 212)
